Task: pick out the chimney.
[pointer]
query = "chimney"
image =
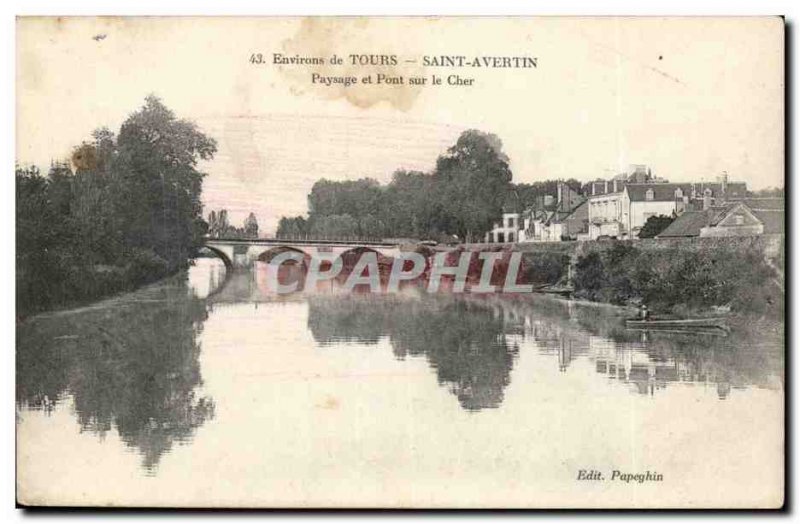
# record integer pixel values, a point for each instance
(706, 201)
(559, 194)
(614, 184)
(593, 188)
(723, 180)
(605, 186)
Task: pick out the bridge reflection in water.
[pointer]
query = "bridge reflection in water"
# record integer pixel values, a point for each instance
(131, 365)
(473, 341)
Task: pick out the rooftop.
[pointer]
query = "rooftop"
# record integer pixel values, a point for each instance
(688, 224)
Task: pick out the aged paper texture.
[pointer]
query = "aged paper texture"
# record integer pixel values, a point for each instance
(400, 262)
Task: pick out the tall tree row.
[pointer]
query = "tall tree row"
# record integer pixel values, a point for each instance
(463, 196)
(125, 212)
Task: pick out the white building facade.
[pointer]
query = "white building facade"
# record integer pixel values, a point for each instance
(622, 213)
(506, 231)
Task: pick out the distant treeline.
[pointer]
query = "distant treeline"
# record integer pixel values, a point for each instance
(463, 196)
(219, 227)
(125, 212)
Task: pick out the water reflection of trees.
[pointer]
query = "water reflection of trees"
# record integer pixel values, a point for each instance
(751, 355)
(470, 342)
(464, 342)
(130, 365)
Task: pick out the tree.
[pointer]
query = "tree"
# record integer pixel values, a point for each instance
(293, 227)
(39, 230)
(473, 179)
(463, 196)
(127, 214)
(251, 226)
(410, 208)
(97, 224)
(527, 195)
(213, 224)
(223, 226)
(356, 198)
(158, 193)
(655, 225)
(333, 226)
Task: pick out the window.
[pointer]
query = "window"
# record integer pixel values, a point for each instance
(679, 193)
(511, 237)
(649, 194)
(739, 219)
(510, 222)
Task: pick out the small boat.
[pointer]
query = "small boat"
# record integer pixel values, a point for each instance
(678, 323)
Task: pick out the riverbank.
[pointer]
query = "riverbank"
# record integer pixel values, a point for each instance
(85, 285)
(682, 277)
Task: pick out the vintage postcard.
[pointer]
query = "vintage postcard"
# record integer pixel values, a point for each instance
(488, 262)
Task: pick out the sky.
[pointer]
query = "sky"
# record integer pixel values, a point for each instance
(690, 98)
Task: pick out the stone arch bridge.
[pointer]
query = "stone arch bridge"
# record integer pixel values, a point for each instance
(242, 253)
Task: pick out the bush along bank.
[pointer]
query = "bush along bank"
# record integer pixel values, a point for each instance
(681, 279)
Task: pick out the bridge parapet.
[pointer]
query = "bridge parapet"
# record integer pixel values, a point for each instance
(241, 253)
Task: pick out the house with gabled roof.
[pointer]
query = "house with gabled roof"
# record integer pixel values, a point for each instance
(734, 218)
(555, 226)
(562, 221)
(771, 211)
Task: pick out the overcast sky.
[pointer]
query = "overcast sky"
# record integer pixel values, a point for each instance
(688, 97)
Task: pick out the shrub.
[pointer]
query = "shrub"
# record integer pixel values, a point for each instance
(145, 266)
(688, 277)
(544, 267)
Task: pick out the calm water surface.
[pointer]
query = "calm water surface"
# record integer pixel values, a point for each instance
(207, 390)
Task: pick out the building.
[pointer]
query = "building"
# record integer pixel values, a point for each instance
(556, 226)
(576, 223)
(619, 209)
(734, 218)
(605, 209)
(505, 231)
(533, 224)
(771, 211)
(563, 219)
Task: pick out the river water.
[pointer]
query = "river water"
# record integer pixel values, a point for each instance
(206, 390)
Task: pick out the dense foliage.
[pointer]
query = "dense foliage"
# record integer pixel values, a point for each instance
(686, 277)
(126, 212)
(655, 225)
(463, 196)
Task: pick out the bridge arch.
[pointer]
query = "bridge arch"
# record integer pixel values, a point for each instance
(350, 256)
(289, 272)
(221, 255)
(269, 254)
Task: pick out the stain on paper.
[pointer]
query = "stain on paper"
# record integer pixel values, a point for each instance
(361, 48)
